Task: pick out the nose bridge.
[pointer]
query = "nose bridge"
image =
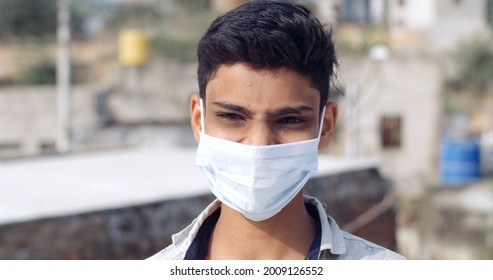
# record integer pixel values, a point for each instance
(260, 134)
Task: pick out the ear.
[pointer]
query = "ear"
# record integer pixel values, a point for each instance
(328, 125)
(195, 118)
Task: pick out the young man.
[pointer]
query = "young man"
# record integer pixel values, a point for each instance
(261, 116)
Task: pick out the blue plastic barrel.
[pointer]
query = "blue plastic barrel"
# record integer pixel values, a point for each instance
(459, 160)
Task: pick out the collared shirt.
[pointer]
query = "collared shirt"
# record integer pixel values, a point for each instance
(200, 245)
(334, 243)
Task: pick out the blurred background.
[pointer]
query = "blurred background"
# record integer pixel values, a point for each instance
(97, 157)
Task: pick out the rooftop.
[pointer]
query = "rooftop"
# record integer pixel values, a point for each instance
(57, 185)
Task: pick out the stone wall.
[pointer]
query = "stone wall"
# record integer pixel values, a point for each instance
(127, 233)
(137, 232)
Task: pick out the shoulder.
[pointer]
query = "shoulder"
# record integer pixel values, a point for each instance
(338, 244)
(358, 248)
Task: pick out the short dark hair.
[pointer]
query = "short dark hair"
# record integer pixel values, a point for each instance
(268, 35)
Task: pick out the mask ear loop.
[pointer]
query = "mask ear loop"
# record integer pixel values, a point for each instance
(322, 116)
(202, 122)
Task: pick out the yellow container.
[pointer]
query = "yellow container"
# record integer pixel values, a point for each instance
(133, 47)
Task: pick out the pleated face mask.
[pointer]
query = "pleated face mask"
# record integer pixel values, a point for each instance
(257, 181)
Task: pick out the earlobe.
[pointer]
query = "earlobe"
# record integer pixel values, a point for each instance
(329, 124)
(195, 117)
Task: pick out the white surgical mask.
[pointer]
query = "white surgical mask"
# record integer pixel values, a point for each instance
(257, 181)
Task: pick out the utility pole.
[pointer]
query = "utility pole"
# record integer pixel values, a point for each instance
(377, 55)
(63, 77)
(351, 112)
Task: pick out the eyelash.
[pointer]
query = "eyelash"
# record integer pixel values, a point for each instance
(292, 120)
(229, 116)
(285, 120)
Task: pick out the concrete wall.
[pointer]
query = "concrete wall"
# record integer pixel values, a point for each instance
(410, 89)
(415, 14)
(156, 93)
(457, 20)
(456, 223)
(137, 232)
(28, 116)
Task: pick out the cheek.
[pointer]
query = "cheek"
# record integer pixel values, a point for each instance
(222, 134)
(296, 135)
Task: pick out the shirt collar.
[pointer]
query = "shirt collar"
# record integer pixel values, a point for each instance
(332, 236)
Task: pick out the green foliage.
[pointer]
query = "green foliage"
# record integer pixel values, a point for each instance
(43, 72)
(179, 49)
(352, 39)
(27, 17)
(193, 5)
(475, 59)
(40, 73)
(37, 18)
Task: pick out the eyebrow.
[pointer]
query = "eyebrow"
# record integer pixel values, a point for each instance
(292, 110)
(283, 111)
(234, 108)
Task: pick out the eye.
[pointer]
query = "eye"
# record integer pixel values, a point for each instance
(291, 120)
(229, 116)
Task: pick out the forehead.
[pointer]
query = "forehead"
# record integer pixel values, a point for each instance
(246, 86)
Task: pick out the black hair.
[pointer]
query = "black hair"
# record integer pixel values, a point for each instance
(268, 35)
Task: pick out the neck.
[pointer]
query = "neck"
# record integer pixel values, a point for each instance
(287, 235)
